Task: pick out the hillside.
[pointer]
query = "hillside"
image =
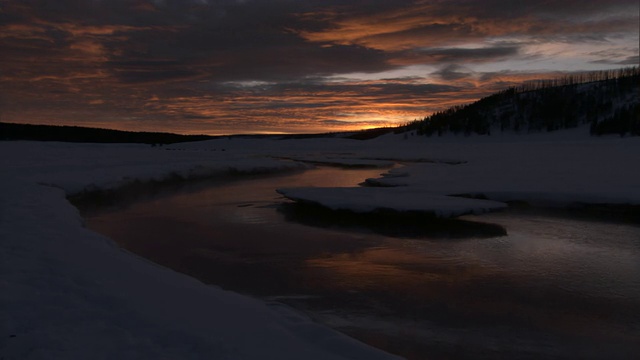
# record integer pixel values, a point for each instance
(608, 101)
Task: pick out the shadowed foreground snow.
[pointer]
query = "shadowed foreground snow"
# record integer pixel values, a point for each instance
(66, 292)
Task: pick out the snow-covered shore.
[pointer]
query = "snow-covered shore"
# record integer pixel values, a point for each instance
(66, 292)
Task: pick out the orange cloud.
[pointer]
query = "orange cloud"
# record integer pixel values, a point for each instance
(437, 24)
(384, 31)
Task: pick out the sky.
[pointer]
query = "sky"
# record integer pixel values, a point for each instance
(289, 66)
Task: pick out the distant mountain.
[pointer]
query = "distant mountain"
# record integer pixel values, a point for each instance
(609, 101)
(9, 131)
(12, 131)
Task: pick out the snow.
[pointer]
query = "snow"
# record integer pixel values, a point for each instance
(344, 161)
(558, 169)
(78, 167)
(545, 171)
(366, 199)
(66, 292)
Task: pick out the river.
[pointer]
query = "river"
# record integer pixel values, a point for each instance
(522, 283)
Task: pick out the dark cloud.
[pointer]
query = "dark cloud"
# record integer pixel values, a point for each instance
(508, 9)
(154, 76)
(150, 71)
(452, 72)
(449, 55)
(284, 63)
(633, 60)
(488, 53)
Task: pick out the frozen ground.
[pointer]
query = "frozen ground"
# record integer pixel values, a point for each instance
(66, 292)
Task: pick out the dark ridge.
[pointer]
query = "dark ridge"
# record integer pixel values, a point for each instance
(10, 131)
(607, 101)
(308, 136)
(370, 133)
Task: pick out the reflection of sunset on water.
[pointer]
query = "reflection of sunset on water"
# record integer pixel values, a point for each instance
(395, 267)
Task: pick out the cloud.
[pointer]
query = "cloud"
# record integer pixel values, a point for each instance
(632, 60)
(455, 54)
(289, 64)
(452, 72)
(432, 24)
(151, 71)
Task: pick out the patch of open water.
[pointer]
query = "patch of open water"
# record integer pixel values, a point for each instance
(552, 286)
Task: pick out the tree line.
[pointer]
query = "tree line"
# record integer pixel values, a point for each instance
(578, 78)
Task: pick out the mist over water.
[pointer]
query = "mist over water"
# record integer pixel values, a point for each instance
(527, 285)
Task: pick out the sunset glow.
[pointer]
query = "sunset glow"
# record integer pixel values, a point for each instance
(258, 66)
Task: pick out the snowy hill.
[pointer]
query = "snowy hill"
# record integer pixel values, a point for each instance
(608, 101)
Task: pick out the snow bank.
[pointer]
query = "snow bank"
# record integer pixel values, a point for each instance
(343, 161)
(367, 199)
